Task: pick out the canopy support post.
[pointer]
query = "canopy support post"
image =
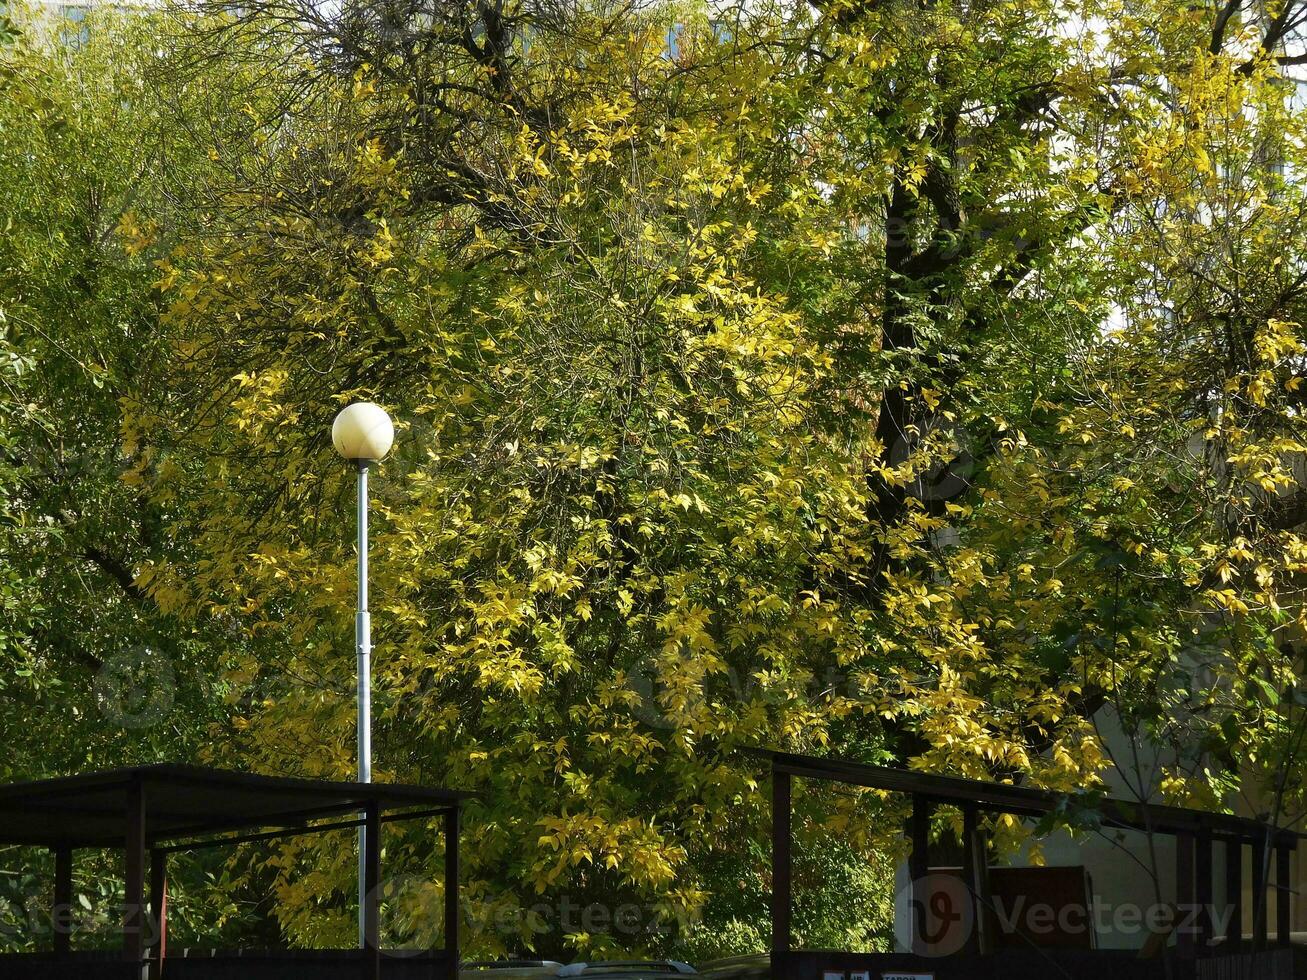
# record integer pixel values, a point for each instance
(1283, 893)
(1261, 863)
(451, 893)
(61, 914)
(158, 910)
(134, 904)
(1203, 896)
(781, 870)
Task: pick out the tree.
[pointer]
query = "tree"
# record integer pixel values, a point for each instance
(825, 376)
(86, 650)
(593, 591)
(96, 671)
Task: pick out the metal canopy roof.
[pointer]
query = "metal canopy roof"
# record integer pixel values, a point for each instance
(1024, 800)
(187, 801)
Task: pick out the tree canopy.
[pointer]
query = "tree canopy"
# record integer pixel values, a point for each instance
(913, 382)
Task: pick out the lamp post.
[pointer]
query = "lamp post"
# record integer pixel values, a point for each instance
(363, 434)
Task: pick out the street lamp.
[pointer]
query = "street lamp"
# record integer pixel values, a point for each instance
(363, 434)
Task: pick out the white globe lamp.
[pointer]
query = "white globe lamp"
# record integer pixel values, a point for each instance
(363, 432)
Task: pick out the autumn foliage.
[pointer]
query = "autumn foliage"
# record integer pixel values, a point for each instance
(916, 383)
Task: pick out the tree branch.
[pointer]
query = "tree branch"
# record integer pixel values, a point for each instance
(1222, 23)
(116, 570)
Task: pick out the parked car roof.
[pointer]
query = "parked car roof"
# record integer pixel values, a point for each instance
(628, 970)
(510, 970)
(756, 967)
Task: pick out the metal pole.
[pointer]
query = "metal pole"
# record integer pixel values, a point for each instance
(62, 917)
(363, 644)
(158, 910)
(452, 954)
(134, 912)
(781, 872)
(372, 869)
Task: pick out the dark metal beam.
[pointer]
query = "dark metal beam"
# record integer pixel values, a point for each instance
(1284, 892)
(179, 779)
(1019, 800)
(971, 875)
(134, 899)
(299, 830)
(452, 911)
(418, 814)
(984, 898)
(61, 918)
(1203, 892)
(919, 866)
(85, 812)
(296, 831)
(287, 818)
